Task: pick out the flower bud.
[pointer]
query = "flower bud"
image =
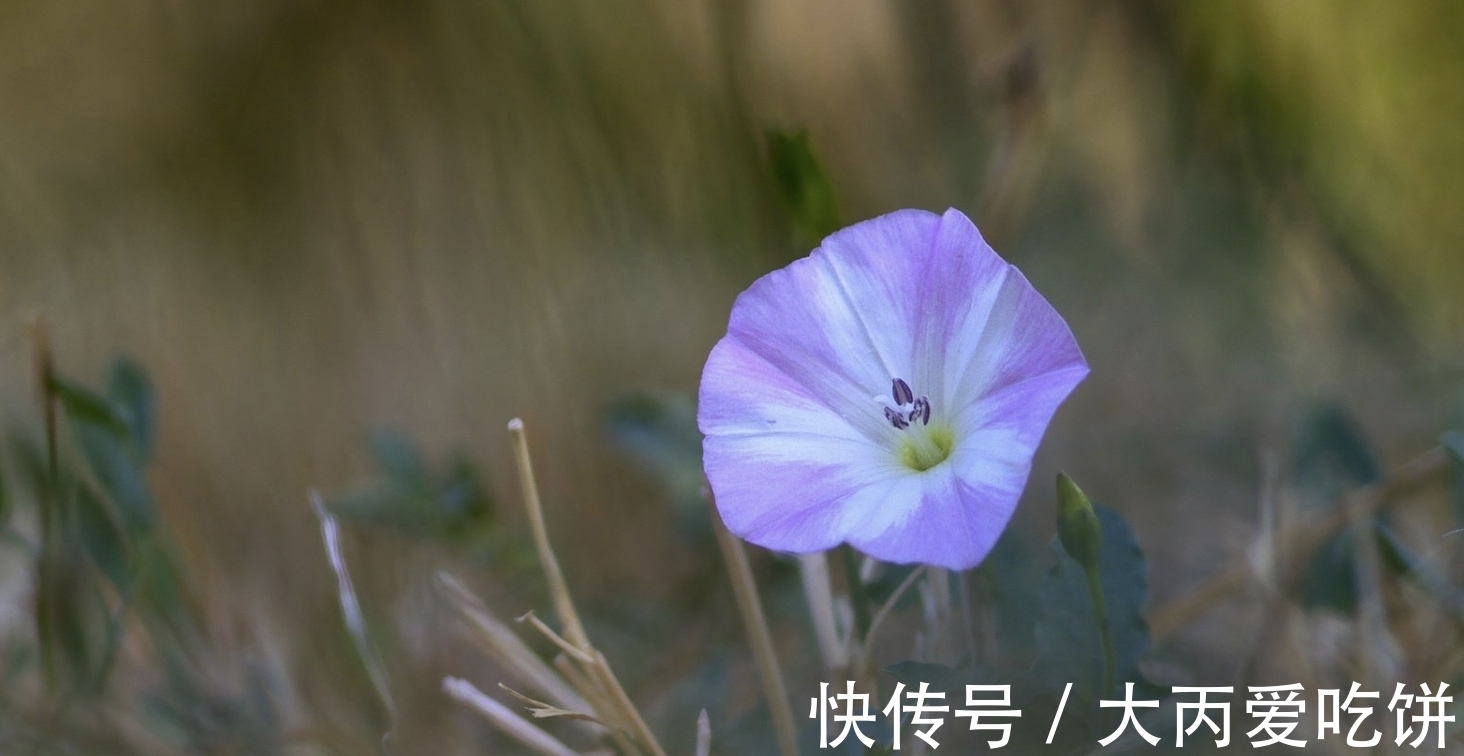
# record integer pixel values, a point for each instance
(1077, 523)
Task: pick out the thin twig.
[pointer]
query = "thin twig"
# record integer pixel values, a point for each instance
(554, 577)
(579, 655)
(819, 592)
(638, 727)
(351, 607)
(509, 650)
(542, 710)
(866, 653)
(756, 624)
(508, 722)
(576, 642)
(703, 734)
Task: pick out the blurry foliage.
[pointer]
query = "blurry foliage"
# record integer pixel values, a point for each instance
(550, 202)
(1066, 629)
(659, 431)
(450, 506)
(803, 185)
(1332, 458)
(106, 568)
(1453, 443)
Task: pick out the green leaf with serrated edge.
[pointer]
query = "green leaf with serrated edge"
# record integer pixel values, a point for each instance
(133, 398)
(803, 185)
(1070, 649)
(1331, 457)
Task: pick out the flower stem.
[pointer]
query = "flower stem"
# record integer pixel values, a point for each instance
(758, 635)
(850, 559)
(1100, 617)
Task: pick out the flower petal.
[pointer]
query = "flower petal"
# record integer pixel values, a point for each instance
(797, 449)
(949, 521)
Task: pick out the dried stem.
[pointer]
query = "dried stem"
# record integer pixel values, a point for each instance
(574, 630)
(819, 592)
(508, 650)
(542, 710)
(748, 604)
(351, 612)
(616, 708)
(1301, 540)
(505, 719)
(703, 734)
(866, 652)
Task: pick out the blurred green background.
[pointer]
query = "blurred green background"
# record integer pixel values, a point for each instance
(308, 220)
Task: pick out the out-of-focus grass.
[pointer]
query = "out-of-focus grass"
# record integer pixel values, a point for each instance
(311, 219)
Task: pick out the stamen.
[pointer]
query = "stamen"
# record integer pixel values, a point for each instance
(904, 418)
(903, 394)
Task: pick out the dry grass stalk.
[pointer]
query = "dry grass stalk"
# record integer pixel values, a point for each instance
(818, 590)
(592, 685)
(542, 710)
(1301, 540)
(511, 652)
(558, 588)
(703, 734)
(351, 607)
(505, 719)
(748, 604)
(866, 652)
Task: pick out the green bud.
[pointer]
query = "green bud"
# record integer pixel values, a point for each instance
(1077, 523)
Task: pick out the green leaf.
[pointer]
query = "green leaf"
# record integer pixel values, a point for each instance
(1453, 443)
(803, 186)
(415, 502)
(105, 437)
(4, 499)
(660, 432)
(399, 459)
(82, 405)
(117, 467)
(1331, 576)
(1332, 457)
(1013, 577)
(1067, 638)
(135, 401)
(101, 539)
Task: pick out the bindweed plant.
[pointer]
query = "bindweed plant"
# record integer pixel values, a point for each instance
(861, 440)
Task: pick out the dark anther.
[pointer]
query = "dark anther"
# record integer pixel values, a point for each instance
(922, 410)
(896, 419)
(903, 394)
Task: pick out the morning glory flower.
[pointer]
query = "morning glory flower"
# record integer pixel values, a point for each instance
(888, 391)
